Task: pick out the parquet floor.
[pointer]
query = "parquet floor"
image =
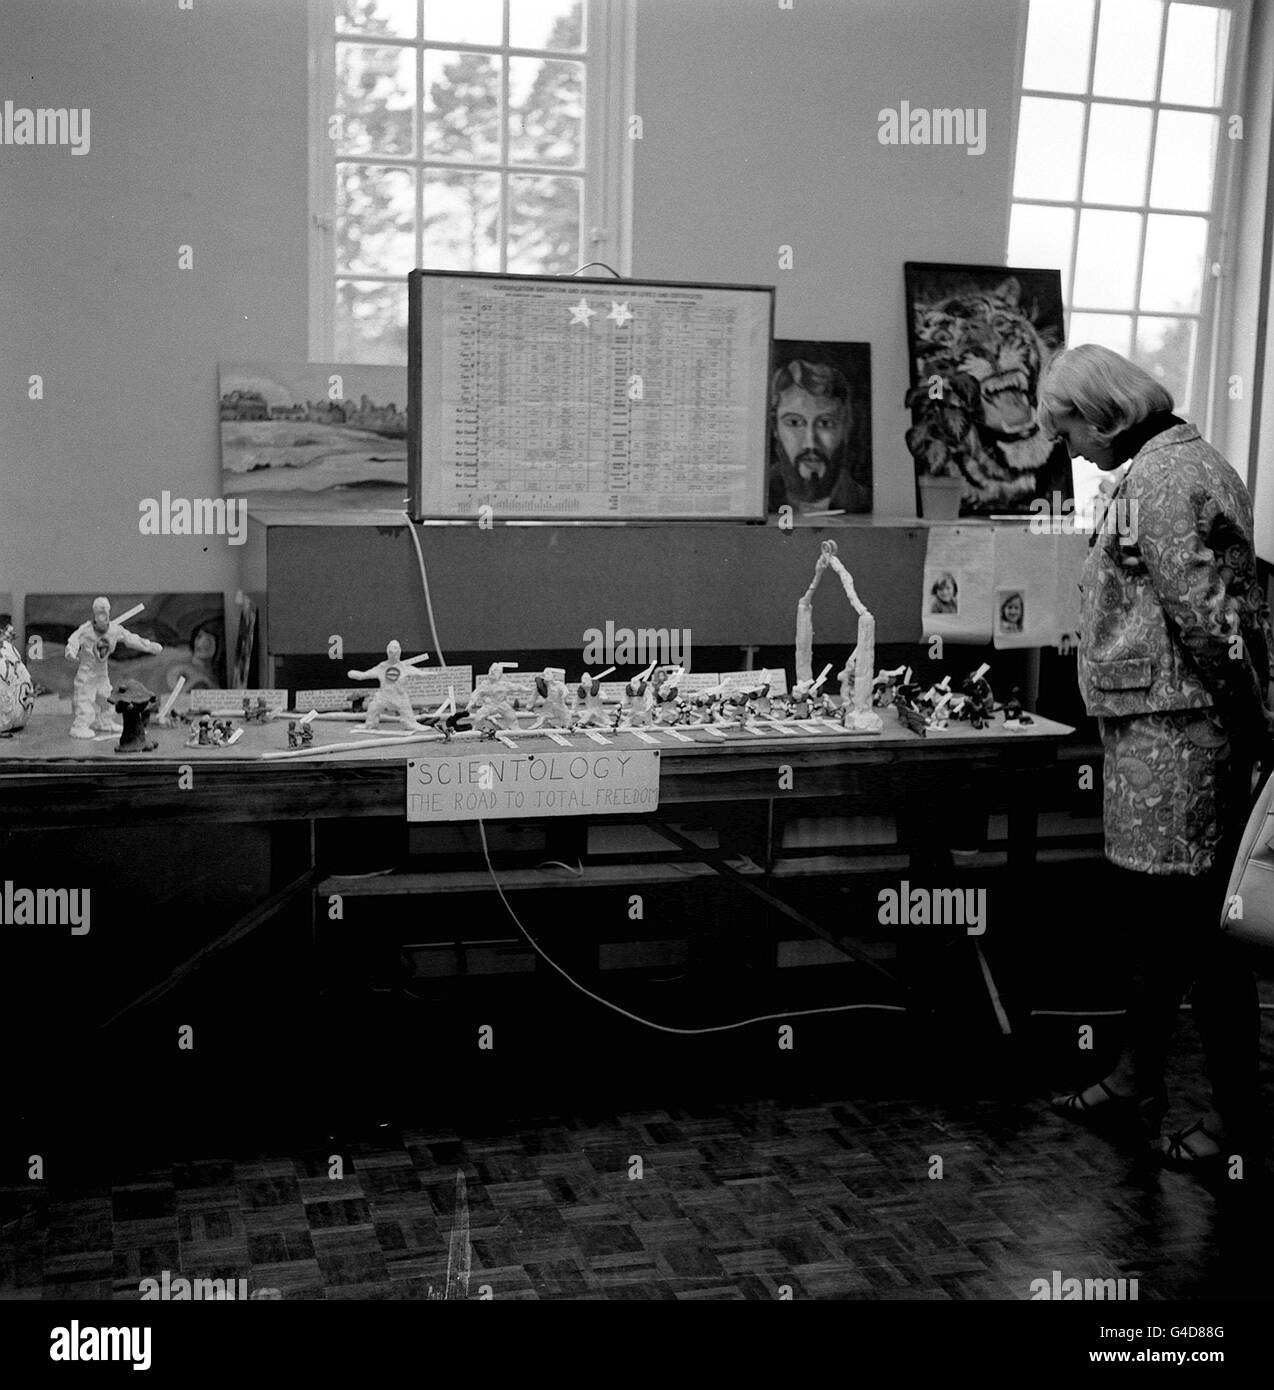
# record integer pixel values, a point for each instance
(824, 1199)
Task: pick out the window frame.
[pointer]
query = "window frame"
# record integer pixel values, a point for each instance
(1206, 383)
(606, 173)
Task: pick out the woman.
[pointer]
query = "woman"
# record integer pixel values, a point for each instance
(1174, 662)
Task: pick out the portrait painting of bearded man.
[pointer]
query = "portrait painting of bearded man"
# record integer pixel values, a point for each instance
(820, 427)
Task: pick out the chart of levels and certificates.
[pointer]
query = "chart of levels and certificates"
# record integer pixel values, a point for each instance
(592, 399)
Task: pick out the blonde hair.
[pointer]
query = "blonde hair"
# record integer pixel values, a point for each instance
(1107, 390)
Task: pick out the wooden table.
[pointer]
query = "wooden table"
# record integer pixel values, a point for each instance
(49, 781)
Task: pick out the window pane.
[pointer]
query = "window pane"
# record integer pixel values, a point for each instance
(462, 106)
(1041, 237)
(1185, 155)
(1118, 152)
(375, 219)
(1172, 277)
(1058, 39)
(1106, 261)
(462, 221)
(396, 17)
(1195, 54)
(1109, 330)
(1128, 49)
(544, 224)
(371, 322)
(1165, 348)
(555, 24)
(375, 99)
(546, 100)
(1048, 146)
(465, 21)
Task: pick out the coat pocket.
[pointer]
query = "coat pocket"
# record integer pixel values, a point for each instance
(1133, 673)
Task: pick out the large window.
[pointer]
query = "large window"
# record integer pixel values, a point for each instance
(1124, 148)
(458, 135)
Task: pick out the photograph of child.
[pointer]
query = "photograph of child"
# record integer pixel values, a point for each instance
(1011, 611)
(944, 594)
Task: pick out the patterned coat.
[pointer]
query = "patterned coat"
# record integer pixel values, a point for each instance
(1174, 657)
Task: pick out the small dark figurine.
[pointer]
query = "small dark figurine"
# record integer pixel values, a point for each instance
(135, 703)
(202, 732)
(1014, 715)
(294, 734)
(980, 701)
(223, 731)
(358, 702)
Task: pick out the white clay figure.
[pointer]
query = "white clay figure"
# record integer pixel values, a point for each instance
(91, 644)
(393, 698)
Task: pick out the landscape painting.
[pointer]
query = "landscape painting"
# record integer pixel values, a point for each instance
(314, 437)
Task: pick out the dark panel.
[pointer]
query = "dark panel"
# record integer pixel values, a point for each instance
(526, 588)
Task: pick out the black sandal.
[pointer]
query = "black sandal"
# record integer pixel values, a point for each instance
(1146, 1111)
(1176, 1152)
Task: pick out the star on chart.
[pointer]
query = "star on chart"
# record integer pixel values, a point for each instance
(621, 313)
(581, 313)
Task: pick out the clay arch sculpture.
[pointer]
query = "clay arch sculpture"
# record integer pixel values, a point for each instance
(856, 676)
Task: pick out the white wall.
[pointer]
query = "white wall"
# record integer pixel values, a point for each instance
(760, 129)
(197, 137)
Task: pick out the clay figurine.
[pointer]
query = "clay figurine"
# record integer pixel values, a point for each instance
(91, 644)
(550, 698)
(490, 708)
(588, 707)
(1015, 717)
(17, 694)
(132, 700)
(392, 699)
(980, 700)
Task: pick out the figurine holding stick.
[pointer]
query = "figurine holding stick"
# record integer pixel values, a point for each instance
(392, 698)
(92, 644)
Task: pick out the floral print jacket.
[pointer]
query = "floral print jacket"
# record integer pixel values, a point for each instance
(1173, 614)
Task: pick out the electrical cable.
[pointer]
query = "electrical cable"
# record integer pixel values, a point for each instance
(588, 265)
(424, 580)
(636, 1018)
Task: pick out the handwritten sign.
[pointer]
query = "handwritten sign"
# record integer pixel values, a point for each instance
(225, 702)
(746, 680)
(506, 785)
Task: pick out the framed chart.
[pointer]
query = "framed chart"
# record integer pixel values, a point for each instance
(547, 398)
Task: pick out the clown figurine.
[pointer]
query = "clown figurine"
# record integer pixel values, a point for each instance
(91, 644)
(17, 694)
(392, 698)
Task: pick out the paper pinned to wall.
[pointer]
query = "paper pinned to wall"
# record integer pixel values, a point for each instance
(958, 577)
(1024, 595)
(1036, 598)
(1009, 585)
